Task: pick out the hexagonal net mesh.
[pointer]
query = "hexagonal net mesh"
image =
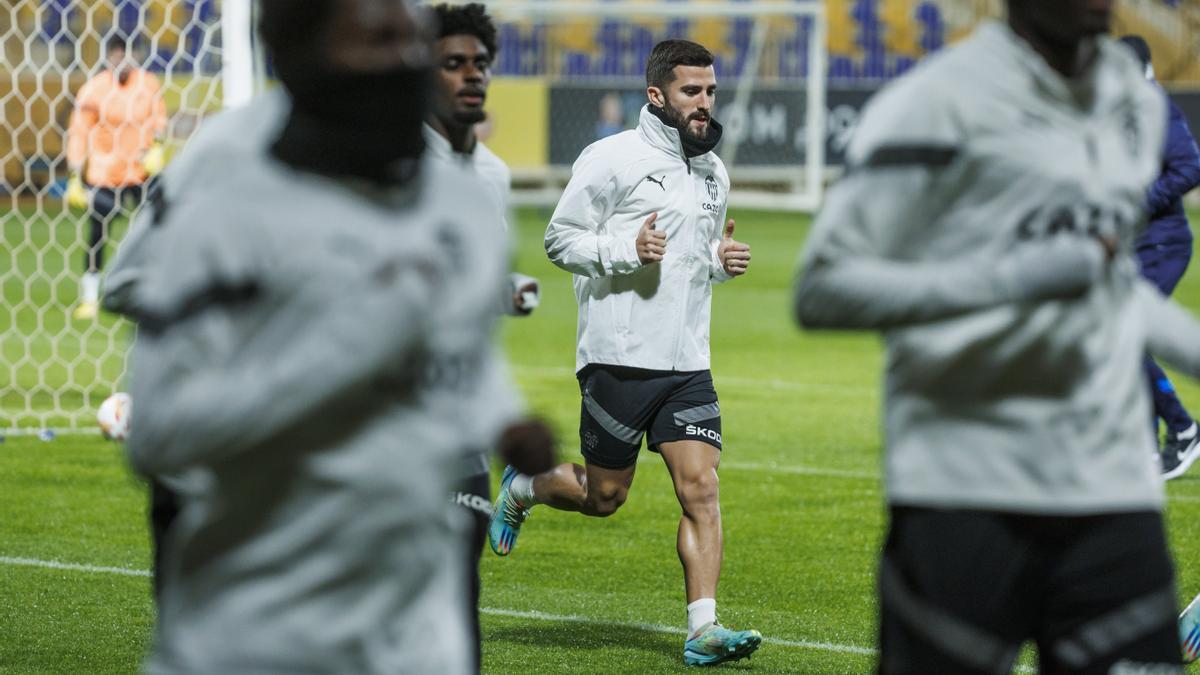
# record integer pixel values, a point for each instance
(74, 107)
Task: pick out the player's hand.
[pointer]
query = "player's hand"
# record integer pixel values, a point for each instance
(733, 254)
(1111, 245)
(154, 159)
(529, 446)
(526, 297)
(76, 195)
(651, 243)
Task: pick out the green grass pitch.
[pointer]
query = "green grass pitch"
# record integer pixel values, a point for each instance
(801, 495)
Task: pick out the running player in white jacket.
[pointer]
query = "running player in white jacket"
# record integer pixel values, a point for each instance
(642, 227)
(985, 228)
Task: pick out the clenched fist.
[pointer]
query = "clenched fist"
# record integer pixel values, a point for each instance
(651, 243)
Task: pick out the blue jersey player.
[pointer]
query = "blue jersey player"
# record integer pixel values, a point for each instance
(1163, 252)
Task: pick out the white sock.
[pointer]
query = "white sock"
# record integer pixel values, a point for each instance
(91, 286)
(1188, 434)
(521, 488)
(701, 613)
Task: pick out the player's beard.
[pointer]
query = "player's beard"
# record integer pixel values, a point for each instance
(684, 124)
(357, 124)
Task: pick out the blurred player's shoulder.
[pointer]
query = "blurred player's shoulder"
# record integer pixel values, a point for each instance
(458, 189)
(148, 80)
(917, 108)
(493, 169)
(490, 162)
(1128, 84)
(231, 142)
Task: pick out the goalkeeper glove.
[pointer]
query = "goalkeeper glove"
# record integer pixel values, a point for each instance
(154, 159)
(77, 196)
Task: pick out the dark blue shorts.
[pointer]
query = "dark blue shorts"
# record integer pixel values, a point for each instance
(622, 405)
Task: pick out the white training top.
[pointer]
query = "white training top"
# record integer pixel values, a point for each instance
(307, 341)
(642, 316)
(966, 231)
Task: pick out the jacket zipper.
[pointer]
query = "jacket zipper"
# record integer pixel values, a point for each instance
(687, 278)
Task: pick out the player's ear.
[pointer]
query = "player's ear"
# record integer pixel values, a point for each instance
(655, 95)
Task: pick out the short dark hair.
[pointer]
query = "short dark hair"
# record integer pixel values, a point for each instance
(660, 67)
(1137, 43)
(470, 19)
(289, 29)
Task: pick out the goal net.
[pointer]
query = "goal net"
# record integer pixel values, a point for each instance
(570, 72)
(58, 368)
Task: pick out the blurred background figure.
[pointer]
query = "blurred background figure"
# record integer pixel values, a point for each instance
(1163, 252)
(463, 54)
(611, 119)
(112, 151)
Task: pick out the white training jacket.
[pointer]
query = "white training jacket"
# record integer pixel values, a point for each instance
(493, 401)
(312, 347)
(642, 316)
(965, 233)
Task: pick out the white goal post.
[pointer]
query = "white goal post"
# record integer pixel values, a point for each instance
(772, 64)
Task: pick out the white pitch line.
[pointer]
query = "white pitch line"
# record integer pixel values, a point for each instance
(492, 611)
(771, 467)
(73, 567)
(656, 628)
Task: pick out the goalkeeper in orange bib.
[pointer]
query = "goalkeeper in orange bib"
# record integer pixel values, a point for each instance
(112, 152)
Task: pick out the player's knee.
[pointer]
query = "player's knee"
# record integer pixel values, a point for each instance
(604, 503)
(700, 493)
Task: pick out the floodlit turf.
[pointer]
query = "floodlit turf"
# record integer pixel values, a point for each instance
(802, 506)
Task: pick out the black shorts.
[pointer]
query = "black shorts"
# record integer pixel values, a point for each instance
(621, 405)
(961, 590)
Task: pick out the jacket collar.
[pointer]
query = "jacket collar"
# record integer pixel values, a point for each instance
(658, 134)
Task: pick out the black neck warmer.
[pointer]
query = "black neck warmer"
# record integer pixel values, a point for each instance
(692, 146)
(356, 125)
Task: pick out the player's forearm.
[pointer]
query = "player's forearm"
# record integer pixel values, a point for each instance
(1175, 338)
(193, 409)
(590, 255)
(867, 292)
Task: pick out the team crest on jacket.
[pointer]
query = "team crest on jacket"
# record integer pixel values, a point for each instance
(711, 184)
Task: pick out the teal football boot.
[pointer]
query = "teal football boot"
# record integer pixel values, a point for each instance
(717, 644)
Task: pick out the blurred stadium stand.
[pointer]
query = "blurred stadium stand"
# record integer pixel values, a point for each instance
(870, 41)
(48, 47)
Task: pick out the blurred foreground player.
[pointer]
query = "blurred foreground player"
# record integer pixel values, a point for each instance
(1163, 252)
(307, 290)
(985, 228)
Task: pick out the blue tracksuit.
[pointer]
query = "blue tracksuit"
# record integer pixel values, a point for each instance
(1165, 248)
